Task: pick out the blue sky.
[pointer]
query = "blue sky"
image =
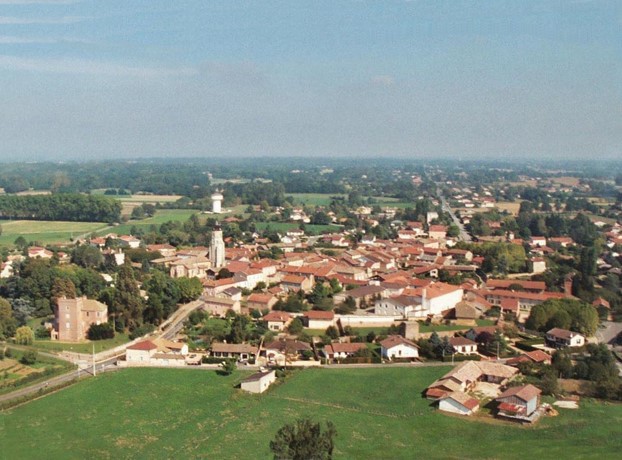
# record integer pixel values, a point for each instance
(136, 78)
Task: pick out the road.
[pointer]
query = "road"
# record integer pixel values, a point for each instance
(607, 332)
(464, 235)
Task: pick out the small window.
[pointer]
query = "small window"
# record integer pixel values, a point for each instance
(67, 326)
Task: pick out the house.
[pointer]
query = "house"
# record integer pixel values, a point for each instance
(468, 310)
(317, 319)
(537, 265)
(36, 252)
(239, 351)
(559, 338)
(458, 402)
(295, 283)
(463, 346)
(465, 376)
(259, 382)
(437, 232)
(277, 320)
(519, 403)
(219, 306)
(286, 350)
(535, 356)
(169, 346)
(74, 317)
(141, 352)
(257, 301)
(396, 346)
(361, 295)
(342, 350)
(166, 250)
(395, 306)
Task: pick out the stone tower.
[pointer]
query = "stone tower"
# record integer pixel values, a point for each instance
(217, 248)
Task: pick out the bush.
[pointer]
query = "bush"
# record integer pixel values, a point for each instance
(100, 331)
(141, 330)
(29, 357)
(1, 354)
(42, 333)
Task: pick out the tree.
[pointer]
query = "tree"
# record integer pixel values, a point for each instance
(295, 327)
(332, 332)
(303, 440)
(189, 289)
(562, 364)
(63, 287)
(87, 256)
(29, 357)
(228, 367)
(100, 331)
(127, 301)
(24, 335)
(7, 321)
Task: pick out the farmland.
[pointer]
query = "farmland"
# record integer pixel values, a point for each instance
(46, 232)
(378, 413)
(283, 227)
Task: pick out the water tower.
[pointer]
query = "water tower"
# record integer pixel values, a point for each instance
(217, 202)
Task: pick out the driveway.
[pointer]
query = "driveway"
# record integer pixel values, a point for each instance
(608, 333)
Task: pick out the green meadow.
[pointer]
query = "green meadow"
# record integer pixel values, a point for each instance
(378, 412)
(46, 232)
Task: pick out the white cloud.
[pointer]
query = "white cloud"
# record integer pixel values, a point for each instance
(5, 20)
(88, 67)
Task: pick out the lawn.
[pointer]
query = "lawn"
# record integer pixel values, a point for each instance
(84, 347)
(314, 199)
(161, 216)
(423, 327)
(378, 413)
(45, 232)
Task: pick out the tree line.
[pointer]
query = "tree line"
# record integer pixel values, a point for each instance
(63, 206)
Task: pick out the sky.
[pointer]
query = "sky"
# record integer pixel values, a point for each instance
(109, 79)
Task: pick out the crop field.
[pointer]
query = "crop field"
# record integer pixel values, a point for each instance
(161, 216)
(314, 199)
(510, 206)
(378, 413)
(46, 232)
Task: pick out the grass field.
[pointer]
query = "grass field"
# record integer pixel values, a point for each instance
(313, 199)
(86, 347)
(378, 413)
(14, 374)
(45, 231)
(161, 216)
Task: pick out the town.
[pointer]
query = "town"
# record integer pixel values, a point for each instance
(509, 286)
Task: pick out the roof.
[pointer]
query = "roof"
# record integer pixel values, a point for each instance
(463, 399)
(395, 340)
(364, 291)
(257, 376)
(220, 347)
(293, 279)
(277, 316)
(538, 356)
(333, 348)
(523, 392)
(320, 315)
(504, 284)
(84, 304)
(562, 333)
(288, 346)
(460, 341)
(145, 345)
(260, 298)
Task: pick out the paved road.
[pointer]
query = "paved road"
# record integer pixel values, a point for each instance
(464, 235)
(609, 332)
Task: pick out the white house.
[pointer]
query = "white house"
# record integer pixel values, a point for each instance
(458, 402)
(396, 346)
(435, 298)
(394, 306)
(259, 382)
(141, 352)
(560, 338)
(463, 346)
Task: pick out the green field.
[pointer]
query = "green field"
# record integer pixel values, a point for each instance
(313, 199)
(46, 232)
(85, 347)
(161, 216)
(378, 413)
